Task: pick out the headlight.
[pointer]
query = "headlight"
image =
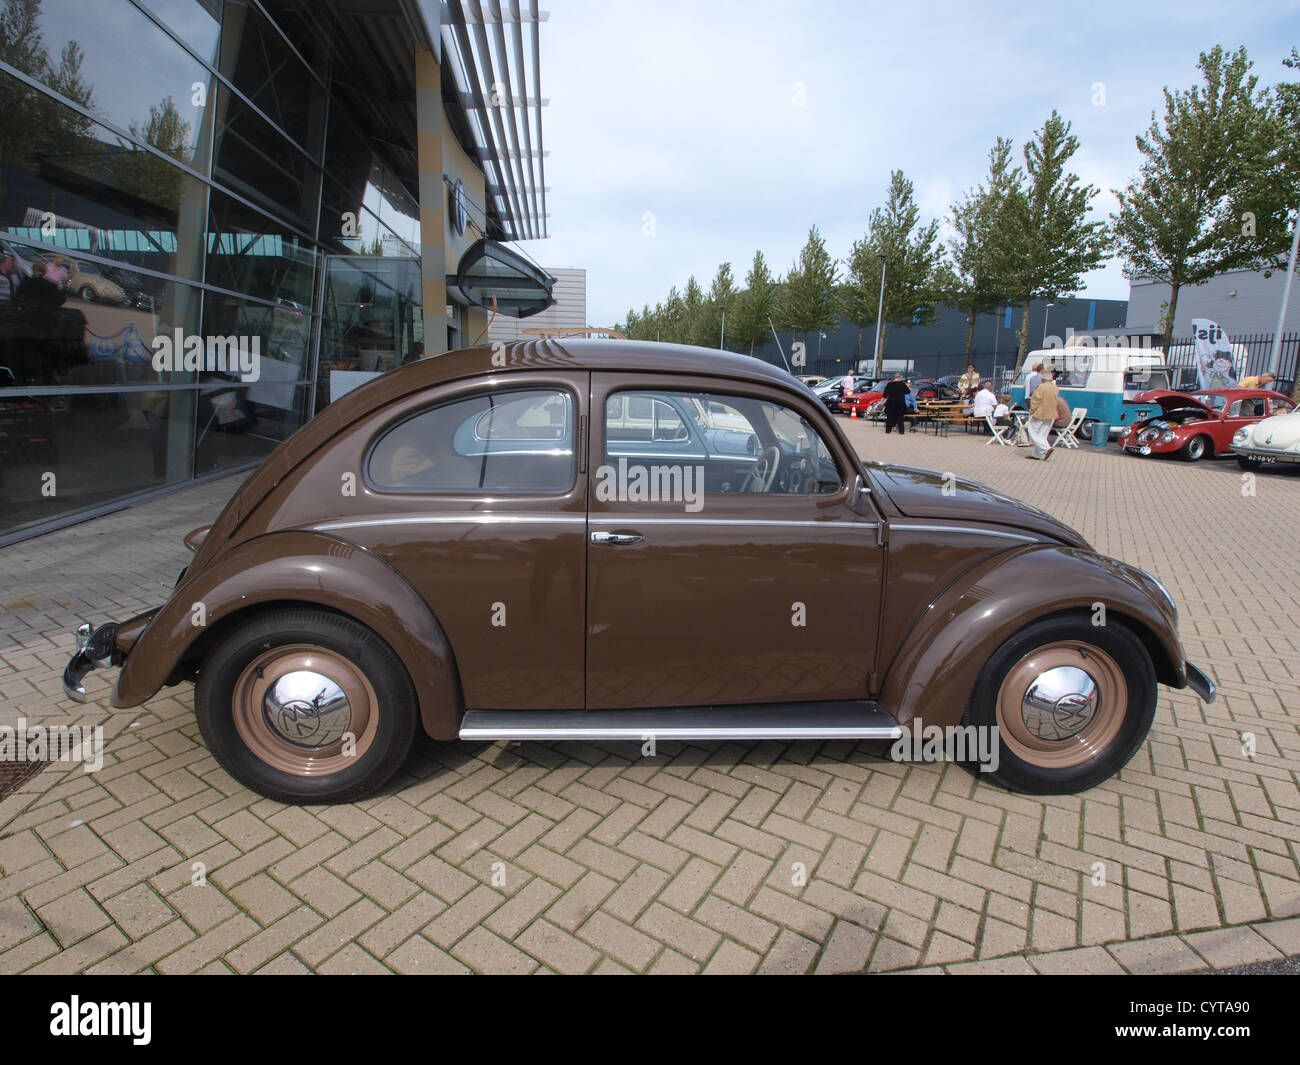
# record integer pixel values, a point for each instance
(1168, 438)
(1241, 436)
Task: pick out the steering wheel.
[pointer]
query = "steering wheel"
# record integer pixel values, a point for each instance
(763, 472)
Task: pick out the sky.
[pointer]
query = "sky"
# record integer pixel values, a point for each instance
(685, 134)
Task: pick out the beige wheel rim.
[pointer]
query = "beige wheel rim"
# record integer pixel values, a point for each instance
(1061, 705)
(304, 710)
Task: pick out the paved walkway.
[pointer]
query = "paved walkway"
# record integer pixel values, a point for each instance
(583, 857)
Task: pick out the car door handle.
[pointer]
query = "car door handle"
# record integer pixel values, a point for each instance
(616, 538)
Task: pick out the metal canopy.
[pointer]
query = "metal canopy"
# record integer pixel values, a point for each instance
(488, 270)
(492, 48)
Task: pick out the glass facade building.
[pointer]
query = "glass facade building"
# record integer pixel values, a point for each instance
(210, 216)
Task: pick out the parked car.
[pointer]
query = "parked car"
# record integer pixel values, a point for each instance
(93, 284)
(1104, 381)
(28, 440)
(1193, 426)
(812, 379)
(1275, 439)
(458, 545)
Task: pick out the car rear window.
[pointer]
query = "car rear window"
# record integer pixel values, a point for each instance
(519, 442)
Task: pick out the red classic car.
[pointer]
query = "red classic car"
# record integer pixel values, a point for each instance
(1200, 423)
(858, 403)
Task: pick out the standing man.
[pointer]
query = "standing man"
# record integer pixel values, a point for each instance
(1042, 416)
(969, 381)
(846, 385)
(896, 393)
(1034, 379)
(56, 273)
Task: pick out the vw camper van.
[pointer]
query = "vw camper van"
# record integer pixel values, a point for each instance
(1102, 380)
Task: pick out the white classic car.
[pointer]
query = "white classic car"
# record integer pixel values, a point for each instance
(1275, 439)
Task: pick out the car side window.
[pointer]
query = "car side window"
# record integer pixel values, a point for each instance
(1234, 410)
(734, 443)
(519, 442)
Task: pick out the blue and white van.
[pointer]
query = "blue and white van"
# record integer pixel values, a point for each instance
(1102, 380)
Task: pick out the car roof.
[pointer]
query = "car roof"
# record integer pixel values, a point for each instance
(1239, 393)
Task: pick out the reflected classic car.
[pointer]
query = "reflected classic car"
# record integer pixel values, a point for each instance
(1200, 424)
(603, 540)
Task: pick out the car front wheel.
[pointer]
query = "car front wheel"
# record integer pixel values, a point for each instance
(1194, 449)
(1070, 702)
(305, 706)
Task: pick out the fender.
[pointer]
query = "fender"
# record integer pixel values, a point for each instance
(935, 671)
(302, 567)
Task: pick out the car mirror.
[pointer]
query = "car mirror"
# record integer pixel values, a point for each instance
(855, 493)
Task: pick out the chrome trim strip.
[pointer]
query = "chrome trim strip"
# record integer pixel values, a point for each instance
(452, 519)
(1199, 681)
(965, 529)
(635, 519)
(843, 732)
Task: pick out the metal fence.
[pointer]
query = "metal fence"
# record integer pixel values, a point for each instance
(1001, 363)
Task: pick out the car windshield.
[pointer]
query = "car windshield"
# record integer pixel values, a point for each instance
(1214, 402)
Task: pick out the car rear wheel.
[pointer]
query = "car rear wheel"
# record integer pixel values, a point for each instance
(1070, 702)
(87, 293)
(1193, 450)
(305, 706)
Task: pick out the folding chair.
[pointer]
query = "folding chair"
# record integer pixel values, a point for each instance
(1000, 433)
(1065, 435)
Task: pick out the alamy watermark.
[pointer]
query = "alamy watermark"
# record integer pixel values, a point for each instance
(949, 743)
(53, 743)
(651, 484)
(191, 353)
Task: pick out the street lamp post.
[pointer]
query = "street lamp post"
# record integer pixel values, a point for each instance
(880, 309)
(1275, 356)
(1046, 315)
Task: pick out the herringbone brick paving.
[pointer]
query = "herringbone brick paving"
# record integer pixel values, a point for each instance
(723, 857)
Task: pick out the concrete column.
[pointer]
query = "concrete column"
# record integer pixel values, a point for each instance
(430, 131)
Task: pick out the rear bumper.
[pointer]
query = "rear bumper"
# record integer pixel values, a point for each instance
(1199, 681)
(95, 648)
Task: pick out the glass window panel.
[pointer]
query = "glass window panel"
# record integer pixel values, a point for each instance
(99, 447)
(116, 62)
(78, 187)
(258, 62)
(254, 160)
(196, 22)
(250, 253)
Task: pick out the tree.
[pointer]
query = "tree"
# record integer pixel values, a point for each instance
(755, 306)
(692, 331)
(1213, 187)
(720, 300)
(1049, 243)
(973, 283)
(808, 299)
(911, 254)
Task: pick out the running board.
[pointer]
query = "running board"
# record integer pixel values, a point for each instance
(846, 720)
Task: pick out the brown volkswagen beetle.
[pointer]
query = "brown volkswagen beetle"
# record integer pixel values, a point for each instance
(602, 540)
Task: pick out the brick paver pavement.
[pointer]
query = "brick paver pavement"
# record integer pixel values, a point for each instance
(587, 858)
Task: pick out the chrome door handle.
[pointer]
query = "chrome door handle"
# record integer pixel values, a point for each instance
(616, 538)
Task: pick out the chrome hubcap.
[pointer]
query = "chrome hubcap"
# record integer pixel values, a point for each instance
(1060, 703)
(307, 709)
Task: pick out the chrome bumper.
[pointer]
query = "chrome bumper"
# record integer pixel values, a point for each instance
(1266, 454)
(1199, 681)
(94, 649)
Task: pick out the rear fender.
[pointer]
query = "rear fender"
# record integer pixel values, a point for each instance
(300, 567)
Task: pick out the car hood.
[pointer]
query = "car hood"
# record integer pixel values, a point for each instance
(1280, 432)
(929, 494)
(1170, 401)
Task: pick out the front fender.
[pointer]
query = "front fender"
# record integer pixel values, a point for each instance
(302, 567)
(939, 661)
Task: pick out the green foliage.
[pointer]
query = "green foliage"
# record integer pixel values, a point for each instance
(1218, 173)
(1048, 242)
(808, 298)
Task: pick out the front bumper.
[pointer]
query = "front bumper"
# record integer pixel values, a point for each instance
(95, 648)
(1199, 681)
(1266, 454)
